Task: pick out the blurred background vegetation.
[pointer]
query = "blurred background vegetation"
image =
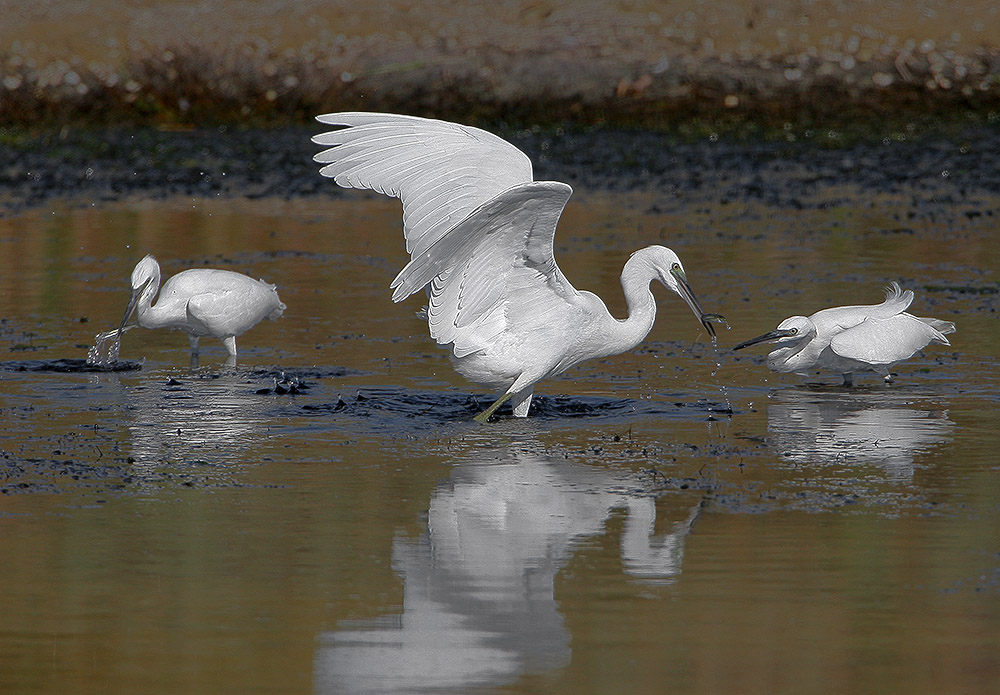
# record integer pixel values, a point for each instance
(703, 65)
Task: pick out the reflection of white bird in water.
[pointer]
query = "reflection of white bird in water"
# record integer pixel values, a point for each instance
(201, 302)
(847, 339)
(479, 232)
(817, 428)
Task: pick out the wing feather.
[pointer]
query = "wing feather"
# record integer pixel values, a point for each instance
(529, 210)
(896, 301)
(478, 229)
(501, 255)
(886, 340)
(455, 168)
(843, 318)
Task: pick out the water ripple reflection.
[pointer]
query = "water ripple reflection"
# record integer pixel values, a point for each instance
(838, 427)
(479, 605)
(218, 416)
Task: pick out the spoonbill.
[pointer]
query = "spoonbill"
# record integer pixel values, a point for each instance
(479, 231)
(201, 302)
(846, 339)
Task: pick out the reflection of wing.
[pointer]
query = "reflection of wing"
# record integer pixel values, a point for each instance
(443, 641)
(648, 555)
(886, 341)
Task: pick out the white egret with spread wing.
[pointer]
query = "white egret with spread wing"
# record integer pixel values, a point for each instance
(201, 302)
(847, 339)
(479, 231)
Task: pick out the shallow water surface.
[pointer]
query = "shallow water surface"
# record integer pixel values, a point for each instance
(325, 517)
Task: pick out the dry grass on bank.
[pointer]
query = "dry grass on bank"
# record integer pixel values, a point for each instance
(637, 62)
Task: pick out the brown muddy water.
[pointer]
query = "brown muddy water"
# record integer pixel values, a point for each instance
(325, 517)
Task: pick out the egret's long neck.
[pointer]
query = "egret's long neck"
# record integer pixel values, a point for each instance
(636, 277)
(147, 314)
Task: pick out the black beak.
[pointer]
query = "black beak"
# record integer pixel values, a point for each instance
(132, 301)
(776, 334)
(688, 296)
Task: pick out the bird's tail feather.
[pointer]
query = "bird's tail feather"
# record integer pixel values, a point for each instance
(896, 299)
(943, 327)
(278, 311)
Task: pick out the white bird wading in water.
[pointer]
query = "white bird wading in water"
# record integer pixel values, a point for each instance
(479, 232)
(201, 302)
(847, 339)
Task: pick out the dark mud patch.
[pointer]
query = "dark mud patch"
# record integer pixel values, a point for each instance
(732, 484)
(70, 366)
(369, 402)
(942, 172)
(101, 480)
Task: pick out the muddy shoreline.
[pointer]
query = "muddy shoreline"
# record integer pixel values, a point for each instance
(739, 65)
(942, 172)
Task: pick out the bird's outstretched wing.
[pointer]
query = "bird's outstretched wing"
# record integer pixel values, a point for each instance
(441, 171)
(478, 229)
(886, 340)
(494, 270)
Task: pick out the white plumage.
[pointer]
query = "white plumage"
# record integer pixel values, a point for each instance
(847, 339)
(479, 231)
(201, 302)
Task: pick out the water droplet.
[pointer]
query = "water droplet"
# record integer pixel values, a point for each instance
(105, 350)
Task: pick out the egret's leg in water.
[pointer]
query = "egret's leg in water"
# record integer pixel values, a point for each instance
(230, 344)
(193, 340)
(848, 379)
(521, 402)
(486, 414)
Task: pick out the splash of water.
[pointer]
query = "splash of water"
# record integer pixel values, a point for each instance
(107, 345)
(718, 363)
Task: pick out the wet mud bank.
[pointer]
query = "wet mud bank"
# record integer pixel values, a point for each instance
(942, 172)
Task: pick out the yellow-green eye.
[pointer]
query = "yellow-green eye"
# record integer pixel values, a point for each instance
(793, 331)
(675, 267)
